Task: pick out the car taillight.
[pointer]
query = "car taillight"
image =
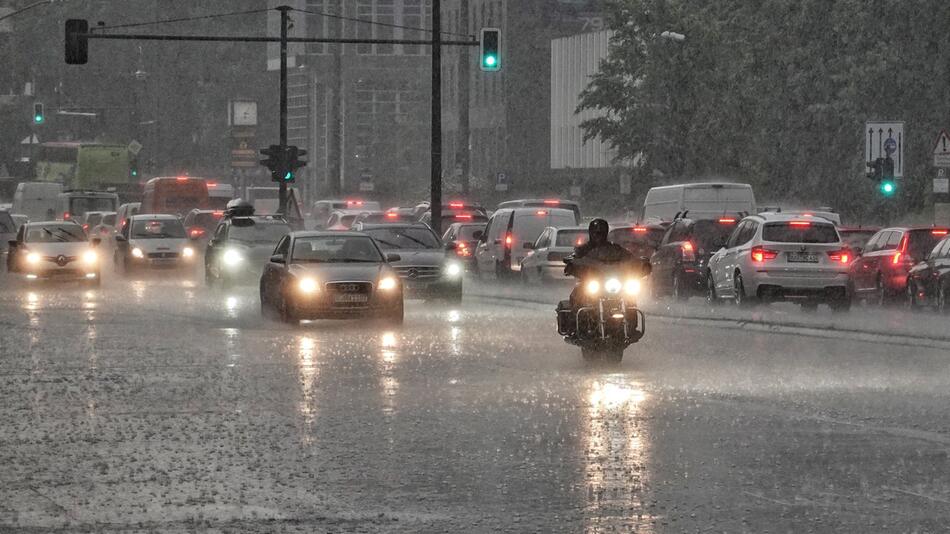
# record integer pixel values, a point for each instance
(464, 217)
(509, 239)
(939, 232)
(66, 215)
(85, 226)
(392, 215)
(760, 254)
(799, 224)
(840, 256)
(727, 220)
(688, 251)
(456, 205)
(639, 230)
(541, 213)
(901, 249)
(552, 202)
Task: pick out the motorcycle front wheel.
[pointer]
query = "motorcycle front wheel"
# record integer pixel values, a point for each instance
(612, 355)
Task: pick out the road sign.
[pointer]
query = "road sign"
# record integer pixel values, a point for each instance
(941, 185)
(942, 150)
(135, 147)
(883, 139)
(501, 182)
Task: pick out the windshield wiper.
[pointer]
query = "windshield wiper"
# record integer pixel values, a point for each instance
(355, 260)
(414, 240)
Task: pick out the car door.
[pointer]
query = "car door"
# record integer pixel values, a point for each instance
(531, 259)
(722, 263)
(861, 265)
(215, 245)
(487, 252)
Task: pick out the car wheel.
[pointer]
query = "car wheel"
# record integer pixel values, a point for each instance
(841, 305)
(614, 356)
(738, 289)
(880, 293)
(711, 297)
(680, 293)
(942, 304)
(525, 279)
(287, 313)
(912, 303)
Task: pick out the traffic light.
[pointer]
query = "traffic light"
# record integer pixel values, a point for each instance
(490, 50)
(39, 113)
(274, 161)
(888, 185)
(77, 44)
(283, 162)
(134, 169)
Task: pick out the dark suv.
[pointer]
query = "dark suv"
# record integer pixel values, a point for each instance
(679, 263)
(880, 273)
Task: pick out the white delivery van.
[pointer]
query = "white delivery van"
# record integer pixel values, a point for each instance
(37, 200)
(702, 200)
(502, 245)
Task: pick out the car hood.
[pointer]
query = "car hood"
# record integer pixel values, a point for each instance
(162, 244)
(73, 248)
(418, 258)
(341, 272)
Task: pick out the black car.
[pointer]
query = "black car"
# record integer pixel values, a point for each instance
(330, 275)
(679, 263)
(461, 239)
(425, 267)
(928, 283)
(240, 247)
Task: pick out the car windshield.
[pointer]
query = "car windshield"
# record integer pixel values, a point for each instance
(336, 249)
(108, 220)
(207, 220)
(78, 206)
(158, 229)
(711, 235)
(404, 238)
(637, 237)
(250, 231)
(799, 232)
(571, 238)
(93, 219)
(63, 233)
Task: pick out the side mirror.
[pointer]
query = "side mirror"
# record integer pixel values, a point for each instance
(277, 258)
(392, 258)
(527, 245)
(96, 241)
(451, 245)
(647, 268)
(12, 243)
(478, 235)
(120, 238)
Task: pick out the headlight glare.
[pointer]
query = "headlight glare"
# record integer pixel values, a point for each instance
(137, 253)
(388, 284)
(187, 252)
(307, 285)
(613, 285)
(453, 269)
(592, 287)
(33, 257)
(632, 287)
(232, 257)
(90, 257)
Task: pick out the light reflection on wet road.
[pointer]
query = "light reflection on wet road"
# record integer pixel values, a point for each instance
(150, 405)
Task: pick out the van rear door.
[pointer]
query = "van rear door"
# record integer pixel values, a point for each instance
(528, 225)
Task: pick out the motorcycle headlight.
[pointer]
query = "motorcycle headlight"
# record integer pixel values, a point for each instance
(613, 285)
(232, 257)
(137, 253)
(388, 284)
(632, 287)
(33, 258)
(307, 285)
(592, 287)
(90, 257)
(453, 269)
(187, 252)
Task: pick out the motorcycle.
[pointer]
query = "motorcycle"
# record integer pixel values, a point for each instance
(602, 317)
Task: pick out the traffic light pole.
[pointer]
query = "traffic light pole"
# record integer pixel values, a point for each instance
(284, 21)
(435, 184)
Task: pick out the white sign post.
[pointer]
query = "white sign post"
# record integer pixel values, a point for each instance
(883, 139)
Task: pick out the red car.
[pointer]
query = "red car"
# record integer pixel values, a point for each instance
(880, 273)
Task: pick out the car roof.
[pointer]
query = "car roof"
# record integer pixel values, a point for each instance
(326, 233)
(569, 228)
(912, 228)
(155, 216)
(390, 226)
(770, 216)
(627, 226)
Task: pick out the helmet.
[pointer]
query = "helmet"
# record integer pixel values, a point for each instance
(598, 230)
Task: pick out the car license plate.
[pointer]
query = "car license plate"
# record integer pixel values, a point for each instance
(802, 257)
(350, 298)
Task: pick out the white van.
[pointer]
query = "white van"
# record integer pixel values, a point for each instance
(703, 200)
(502, 245)
(37, 200)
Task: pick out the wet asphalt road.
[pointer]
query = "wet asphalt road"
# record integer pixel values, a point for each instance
(161, 406)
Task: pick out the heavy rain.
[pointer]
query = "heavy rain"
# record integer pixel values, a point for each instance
(474, 266)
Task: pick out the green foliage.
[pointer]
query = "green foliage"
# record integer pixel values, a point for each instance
(775, 92)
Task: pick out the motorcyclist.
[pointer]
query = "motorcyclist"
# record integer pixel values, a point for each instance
(598, 249)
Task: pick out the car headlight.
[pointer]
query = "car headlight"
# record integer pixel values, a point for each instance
(307, 285)
(453, 269)
(90, 257)
(137, 253)
(232, 257)
(632, 287)
(187, 252)
(592, 287)
(388, 284)
(34, 258)
(613, 285)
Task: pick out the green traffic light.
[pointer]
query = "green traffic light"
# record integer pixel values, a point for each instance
(490, 61)
(288, 177)
(888, 188)
(38, 119)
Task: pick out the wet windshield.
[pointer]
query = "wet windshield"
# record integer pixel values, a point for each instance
(404, 238)
(55, 234)
(711, 235)
(158, 229)
(343, 249)
(571, 238)
(799, 232)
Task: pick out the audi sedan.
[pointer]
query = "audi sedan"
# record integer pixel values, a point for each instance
(330, 275)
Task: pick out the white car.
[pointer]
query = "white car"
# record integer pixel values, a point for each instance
(501, 247)
(545, 261)
(775, 256)
(153, 242)
(54, 251)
